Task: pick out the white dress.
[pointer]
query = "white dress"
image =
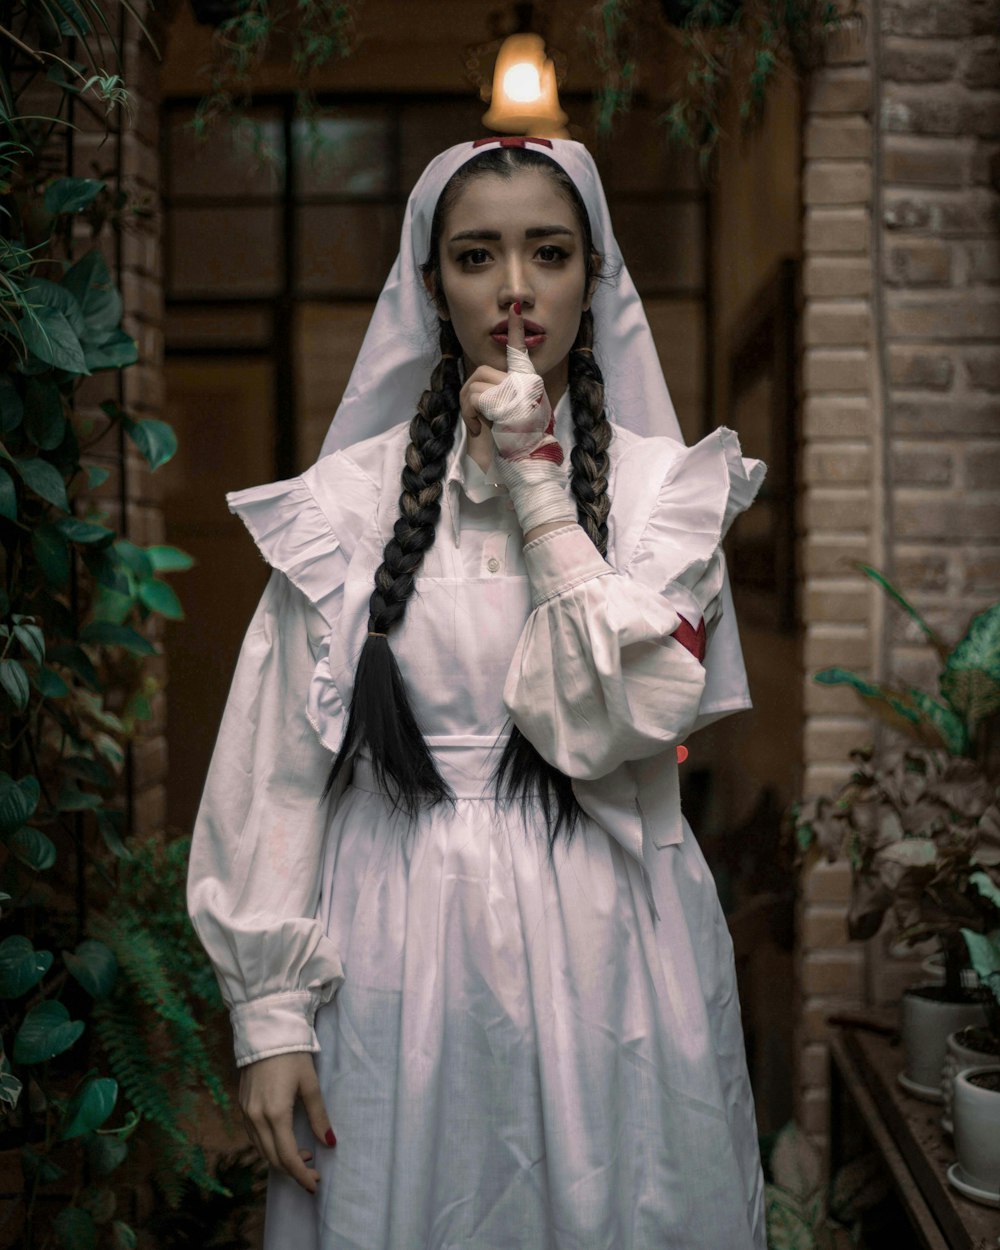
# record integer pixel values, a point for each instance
(513, 1053)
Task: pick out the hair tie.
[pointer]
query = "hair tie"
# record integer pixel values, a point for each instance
(583, 349)
(448, 356)
(373, 633)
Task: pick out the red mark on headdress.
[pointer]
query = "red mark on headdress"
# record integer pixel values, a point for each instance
(513, 141)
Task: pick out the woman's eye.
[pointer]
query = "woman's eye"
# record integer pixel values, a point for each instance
(474, 256)
(549, 252)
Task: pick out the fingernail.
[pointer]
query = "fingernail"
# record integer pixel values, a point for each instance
(330, 1139)
(517, 308)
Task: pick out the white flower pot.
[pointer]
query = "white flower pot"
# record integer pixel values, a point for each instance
(957, 1058)
(977, 1137)
(927, 1021)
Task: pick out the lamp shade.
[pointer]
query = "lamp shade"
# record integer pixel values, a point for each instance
(525, 97)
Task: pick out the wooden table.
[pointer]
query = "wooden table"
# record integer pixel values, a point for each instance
(907, 1133)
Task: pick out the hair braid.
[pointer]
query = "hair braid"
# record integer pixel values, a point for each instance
(381, 720)
(589, 457)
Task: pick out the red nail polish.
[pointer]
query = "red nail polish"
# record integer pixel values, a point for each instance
(330, 1139)
(517, 308)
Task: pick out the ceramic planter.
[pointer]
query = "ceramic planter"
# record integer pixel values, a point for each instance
(959, 1056)
(977, 1137)
(928, 1018)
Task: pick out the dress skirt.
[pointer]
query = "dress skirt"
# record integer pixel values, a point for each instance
(520, 1057)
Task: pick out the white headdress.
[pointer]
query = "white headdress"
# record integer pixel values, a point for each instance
(401, 345)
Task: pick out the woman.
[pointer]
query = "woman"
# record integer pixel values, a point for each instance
(440, 864)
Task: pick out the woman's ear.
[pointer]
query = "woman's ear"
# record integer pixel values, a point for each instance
(436, 297)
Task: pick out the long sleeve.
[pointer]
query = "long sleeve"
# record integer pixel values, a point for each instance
(598, 678)
(258, 838)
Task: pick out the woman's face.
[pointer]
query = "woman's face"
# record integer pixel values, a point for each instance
(508, 239)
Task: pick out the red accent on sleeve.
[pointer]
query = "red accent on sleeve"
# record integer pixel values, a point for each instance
(547, 451)
(693, 639)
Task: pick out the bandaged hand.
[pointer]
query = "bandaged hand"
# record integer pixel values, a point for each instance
(527, 456)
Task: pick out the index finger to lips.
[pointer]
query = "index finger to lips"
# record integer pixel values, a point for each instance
(515, 329)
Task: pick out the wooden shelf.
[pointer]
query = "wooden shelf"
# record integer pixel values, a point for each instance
(908, 1135)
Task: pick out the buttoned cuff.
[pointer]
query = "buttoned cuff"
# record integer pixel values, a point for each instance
(277, 1024)
(558, 561)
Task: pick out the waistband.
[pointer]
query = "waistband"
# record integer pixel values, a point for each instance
(466, 764)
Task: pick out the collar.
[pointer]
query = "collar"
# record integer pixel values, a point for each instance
(465, 477)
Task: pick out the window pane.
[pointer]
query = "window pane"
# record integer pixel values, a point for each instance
(343, 156)
(191, 326)
(247, 163)
(662, 244)
(327, 340)
(224, 251)
(345, 249)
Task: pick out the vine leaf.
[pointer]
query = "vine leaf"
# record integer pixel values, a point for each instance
(8, 496)
(159, 597)
(94, 966)
(70, 195)
(21, 966)
(49, 337)
(155, 440)
(89, 1107)
(44, 479)
(45, 1032)
(32, 847)
(14, 681)
(18, 800)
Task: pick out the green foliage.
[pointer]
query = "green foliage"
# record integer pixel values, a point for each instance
(149, 1026)
(727, 47)
(75, 602)
(962, 716)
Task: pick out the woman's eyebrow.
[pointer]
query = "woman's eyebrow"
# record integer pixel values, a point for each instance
(535, 232)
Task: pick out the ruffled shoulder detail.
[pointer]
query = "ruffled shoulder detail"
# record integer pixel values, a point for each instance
(309, 541)
(686, 499)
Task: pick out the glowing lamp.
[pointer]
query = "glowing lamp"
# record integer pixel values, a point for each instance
(525, 98)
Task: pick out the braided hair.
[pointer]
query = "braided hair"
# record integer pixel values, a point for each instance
(381, 721)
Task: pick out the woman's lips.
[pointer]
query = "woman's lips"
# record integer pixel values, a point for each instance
(534, 334)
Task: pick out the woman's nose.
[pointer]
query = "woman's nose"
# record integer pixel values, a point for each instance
(515, 286)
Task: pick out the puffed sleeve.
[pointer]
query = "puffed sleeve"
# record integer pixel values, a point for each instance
(253, 880)
(602, 673)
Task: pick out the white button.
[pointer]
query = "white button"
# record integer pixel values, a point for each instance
(493, 564)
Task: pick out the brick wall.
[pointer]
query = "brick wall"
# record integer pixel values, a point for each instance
(133, 254)
(901, 432)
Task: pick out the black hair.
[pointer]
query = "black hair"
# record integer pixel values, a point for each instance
(381, 720)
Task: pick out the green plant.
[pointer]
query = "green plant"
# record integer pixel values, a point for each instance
(802, 1210)
(727, 47)
(222, 1218)
(984, 955)
(149, 1024)
(962, 716)
(920, 823)
(75, 602)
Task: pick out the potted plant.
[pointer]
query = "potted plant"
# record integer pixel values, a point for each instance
(976, 1093)
(920, 825)
(976, 1044)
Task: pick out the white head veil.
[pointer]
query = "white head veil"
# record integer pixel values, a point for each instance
(401, 345)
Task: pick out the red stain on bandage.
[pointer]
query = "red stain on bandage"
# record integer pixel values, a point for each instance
(693, 639)
(548, 451)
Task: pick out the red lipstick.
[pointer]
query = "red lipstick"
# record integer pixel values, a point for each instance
(534, 334)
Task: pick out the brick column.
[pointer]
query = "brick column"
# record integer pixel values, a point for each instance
(840, 508)
(901, 434)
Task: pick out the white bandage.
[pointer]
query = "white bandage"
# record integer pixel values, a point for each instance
(528, 458)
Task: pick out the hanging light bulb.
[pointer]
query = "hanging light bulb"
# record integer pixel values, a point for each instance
(525, 97)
